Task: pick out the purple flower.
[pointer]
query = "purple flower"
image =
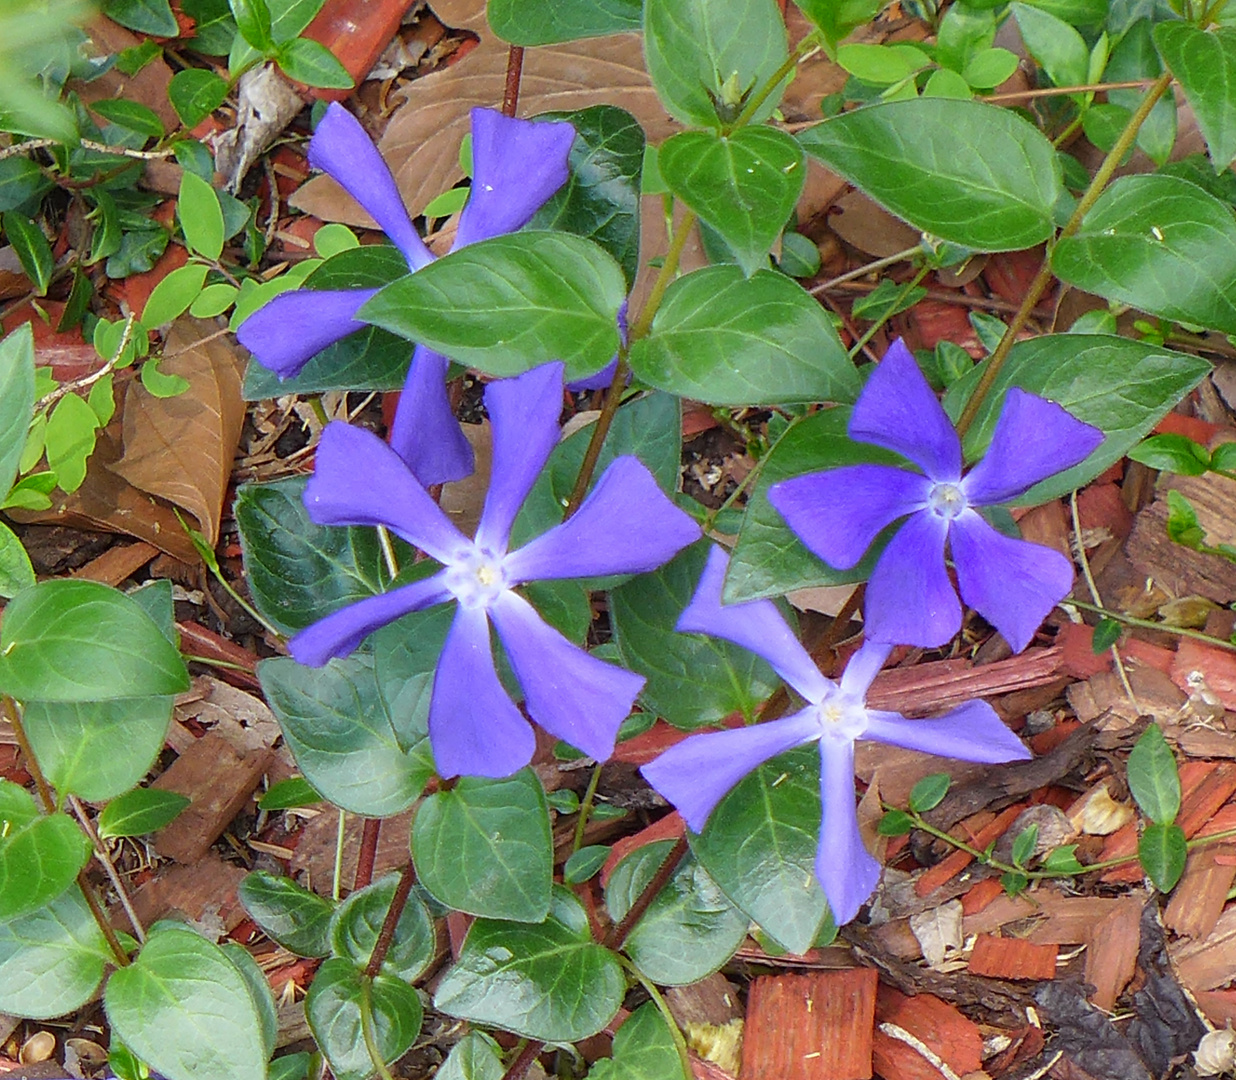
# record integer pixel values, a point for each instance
(910, 600)
(625, 526)
(696, 774)
(518, 166)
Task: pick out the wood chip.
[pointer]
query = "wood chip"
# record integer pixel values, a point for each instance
(1111, 956)
(954, 863)
(938, 1025)
(205, 889)
(1197, 901)
(1011, 958)
(1207, 963)
(117, 563)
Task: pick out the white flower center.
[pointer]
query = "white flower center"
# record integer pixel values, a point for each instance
(946, 501)
(841, 716)
(476, 578)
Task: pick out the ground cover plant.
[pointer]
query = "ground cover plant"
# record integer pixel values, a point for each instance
(559, 536)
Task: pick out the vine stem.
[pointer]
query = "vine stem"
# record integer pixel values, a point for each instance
(101, 853)
(514, 72)
(387, 934)
(520, 1066)
(89, 144)
(1132, 620)
(89, 380)
(367, 1029)
(808, 45)
(585, 808)
(1041, 280)
(867, 268)
(658, 999)
(618, 935)
(367, 855)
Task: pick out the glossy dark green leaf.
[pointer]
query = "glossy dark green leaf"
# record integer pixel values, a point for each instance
(145, 16)
(1172, 453)
(508, 304)
(1059, 49)
(52, 960)
(313, 64)
(689, 930)
(22, 184)
(1122, 387)
(531, 22)
(643, 1050)
(39, 855)
(584, 864)
(337, 727)
(290, 793)
(253, 21)
(405, 655)
(31, 248)
(485, 847)
(928, 792)
(158, 1005)
(195, 93)
(1134, 56)
(600, 200)
(300, 572)
(548, 981)
(215, 30)
(1162, 851)
(1160, 244)
(1204, 63)
(291, 915)
(1106, 633)
(16, 571)
(140, 811)
(77, 640)
(759, 845)
(1153, 779)
(964, 171)
(727, 339)
(333, 1008)
(16, 400)
(355, 926)
(131, 115)
(475, 1057)
(745, 184)
(693, 679)
(702, 54)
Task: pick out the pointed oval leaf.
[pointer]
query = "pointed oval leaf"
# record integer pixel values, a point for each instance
(475, 1057)
(532, 22)
(1160, 244)
(1163, 851)
(16, 400)
(69, 640)
(140, 811)
(1153, 779)
(745, 185)
(183, 1007)
(201, 216)
(508, 304)
(485, 847)
(1204, 64)
(356, 923)
(195, 93)
(963, 171)
(643, 1050)
(726, 339)
(296, 918)
(16, 571)
(39, 855)
(259, 993)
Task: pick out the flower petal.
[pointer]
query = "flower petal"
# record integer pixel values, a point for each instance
(756, 625)
(523, 414)
(359, 480)
(341, 148)
(1034, 439)
(1012, 583)
(838, 513)
(474, 727)
(899, 411)
(863, 667)
(572, 695)
(698, 772)
(517, 166)
(910, 600)
(289, 331)
(970, 732)
(847, 871)
(600, 381)
(627, 525)
(425, 432)
(341, 632)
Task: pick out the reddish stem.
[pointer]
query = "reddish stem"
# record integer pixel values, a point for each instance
(387, 934)
(368, 853)
(514, 70)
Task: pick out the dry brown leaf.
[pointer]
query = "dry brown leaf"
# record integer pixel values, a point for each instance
(148, 87)
(938, 931)
(181, 448)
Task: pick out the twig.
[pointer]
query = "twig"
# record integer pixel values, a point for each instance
(100, 853)
(1056, 91)
(49, 399)
(520, 1066)
(945, 296)
(868, 268)
(272, 221)
(929, 1055)
(1147, 624)
(89, 144)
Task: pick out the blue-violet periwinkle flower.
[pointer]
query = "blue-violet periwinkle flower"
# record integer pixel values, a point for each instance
(697, 773)
(518, 165)
(910, 600)
(627, 525)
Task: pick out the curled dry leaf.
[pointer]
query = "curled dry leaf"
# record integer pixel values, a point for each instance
(938, 931)
(1098, 814)
(181, 448)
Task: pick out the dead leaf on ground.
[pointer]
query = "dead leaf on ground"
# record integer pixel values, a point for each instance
(938, 932)
(181, 448)
(148, 87)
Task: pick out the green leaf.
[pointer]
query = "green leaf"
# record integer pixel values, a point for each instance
(1062, 860)
(745, 185)
(1082, 373)
(130, 114)
(1135, 57)
(333, 1008)
(836, 18)
(485, 847)
(334, 237)
(300, 572)
(140, 811)
(22, 184)
(16, 573)
(989, 68)
(600, 200)
(213, 300)
(216, 29)
(887, 299)
(584, 864)
(31, 248)
(895, 823)
(288, 20)
(77, 640)
(1024, 844)
(1205, 66)
(1153, 779)
(172, 296)
(52, 960)
(16, 400)
(643, 1050)
(508, 304)
(880, 65)
(1160, 244)
(800, 257)
(1182, 523)
(1059, 49)
(357, 922)
(1106, 634)
(1162, 851)
(548, 981)
(39, 855)
(195, 93)
(160, 384)
(759, 845)
(201, 216)
(964, 171)
(253, 21)
(1172, 453)
(705, 57)
(531, 22)
(288, 794)
(145, 16)
(259, 993)
(929, 792)
(405, 657)
(312, 63)
(689, 930)
(474, 1057)
(70, 440)
(290, 915)
(726, 339)
(693, 679)
(337, 727)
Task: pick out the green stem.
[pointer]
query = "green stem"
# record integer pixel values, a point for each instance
(585, 808)
(388, 552)
(1130, 620)
(337, 881)
(613, 398)
(367, 1029)
(747, 481)
(874, 328)
(680, 1044)
(866, 268)
(1041, 280)
(808, 45)
(665, 276)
